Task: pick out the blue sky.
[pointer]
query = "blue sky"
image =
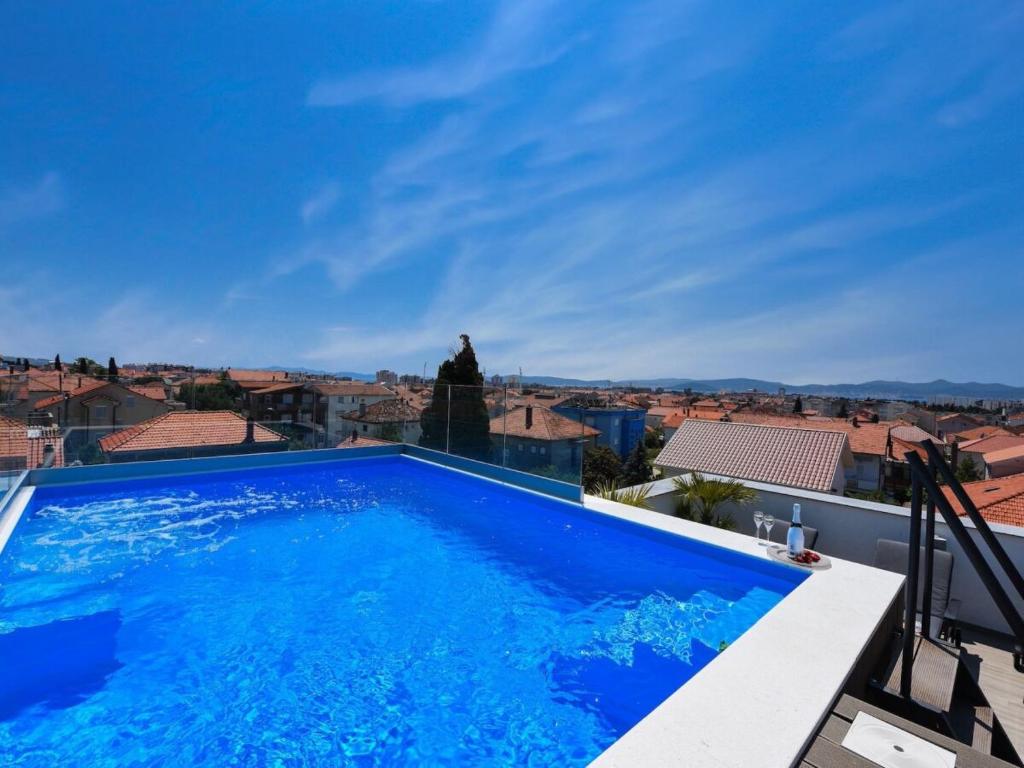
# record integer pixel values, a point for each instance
(798, 191)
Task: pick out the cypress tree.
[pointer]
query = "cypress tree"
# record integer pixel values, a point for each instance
(635, 470)
(468, 423)
(798, 406)
(112, 369)
(57, 364)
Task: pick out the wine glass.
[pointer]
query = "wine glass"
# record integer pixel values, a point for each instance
(769, 522)
(758, 521)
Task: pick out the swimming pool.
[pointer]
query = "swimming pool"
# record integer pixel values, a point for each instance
(367, 612)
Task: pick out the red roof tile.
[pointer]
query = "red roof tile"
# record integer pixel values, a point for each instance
(186, 429)
(362, 441)
(546, 425)
(999, 501)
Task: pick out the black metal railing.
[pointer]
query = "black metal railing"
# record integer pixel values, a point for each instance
(925, 479)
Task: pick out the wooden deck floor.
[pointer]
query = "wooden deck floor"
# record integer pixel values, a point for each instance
(989, 658)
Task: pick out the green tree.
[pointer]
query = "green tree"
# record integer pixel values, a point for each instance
(207, 397)
(636, 470)
(112, 369)
(798, 406)
(391, 432)
(654, 438)
(967, 471)
(844, 409)
(85, 365)
(57, 364)
(699, 498)
(601, 466)
(458, 407)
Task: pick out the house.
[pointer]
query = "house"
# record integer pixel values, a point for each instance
(813, 459)
(27, 447)
(1007, 461)
(999, 500)
(950, 424)
(249, 380)
(671, 423)
(621, 426)
(20, 393)
(977, 433)
(532, 436)
(285, 401)
(394, 420)
(977, 449)
(869, 443)
(190, 434)
(101, 405)
(335, 399)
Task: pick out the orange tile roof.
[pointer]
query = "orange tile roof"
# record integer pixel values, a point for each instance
(673, 420)
(23, 447)
(1005, 454)
(186, 429)
(546, 425)
(801, 458)
(978, 433)
(77, 392)
(152, 391)
(362, 441)
(1000, 500)
(240, 375)
(865, 438)
(385, 412)
(281, 387)
(991, 444)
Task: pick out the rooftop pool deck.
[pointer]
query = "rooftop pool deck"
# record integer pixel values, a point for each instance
(394, 606)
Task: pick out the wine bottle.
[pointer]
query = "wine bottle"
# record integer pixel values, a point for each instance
(795, 538)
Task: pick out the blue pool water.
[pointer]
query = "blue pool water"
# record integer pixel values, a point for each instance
(377, 612)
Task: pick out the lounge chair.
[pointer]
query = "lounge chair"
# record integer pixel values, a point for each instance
(893, 555)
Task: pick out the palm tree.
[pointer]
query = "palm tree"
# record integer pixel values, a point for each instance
(635, 496)
(700, 497)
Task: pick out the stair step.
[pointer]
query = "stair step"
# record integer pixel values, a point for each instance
(973, 725)
(736, 618)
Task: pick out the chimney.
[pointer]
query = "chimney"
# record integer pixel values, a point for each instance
(250, 425)
(529, 417)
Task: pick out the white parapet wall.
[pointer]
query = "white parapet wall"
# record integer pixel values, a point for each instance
(849, 529)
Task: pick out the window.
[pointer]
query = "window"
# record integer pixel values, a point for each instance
(307, 398)
(615, 422)
(533, 449)
(589, 421)
(364, 427)
(100, 412)
(286, 399)
(543, 449)
(520, 447)
(130, 401)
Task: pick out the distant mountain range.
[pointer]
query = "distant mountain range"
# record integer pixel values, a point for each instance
(880, 390)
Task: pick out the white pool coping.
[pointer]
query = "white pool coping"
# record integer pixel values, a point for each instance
(759, 703)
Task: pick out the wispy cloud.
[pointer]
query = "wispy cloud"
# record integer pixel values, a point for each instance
(44, 197)
(517, 40)
(321, 202)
